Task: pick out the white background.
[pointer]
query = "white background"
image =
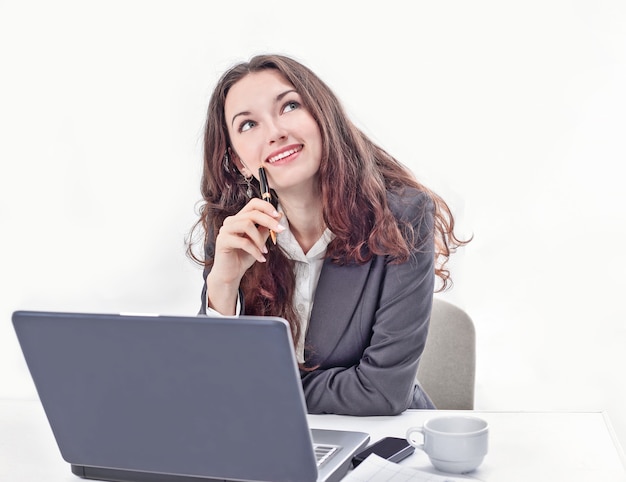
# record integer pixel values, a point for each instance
(515, 112)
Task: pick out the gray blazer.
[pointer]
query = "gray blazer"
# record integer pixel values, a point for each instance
(369, 324)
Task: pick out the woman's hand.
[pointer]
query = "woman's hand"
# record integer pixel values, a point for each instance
(241, 241)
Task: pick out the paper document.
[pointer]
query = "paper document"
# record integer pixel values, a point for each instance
(377, 469)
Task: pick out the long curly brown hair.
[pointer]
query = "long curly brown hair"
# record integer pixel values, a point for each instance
(355, 176)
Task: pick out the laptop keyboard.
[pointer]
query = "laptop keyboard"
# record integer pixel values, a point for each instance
(323, 452)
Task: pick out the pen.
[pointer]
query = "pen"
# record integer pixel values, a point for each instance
(266, 195)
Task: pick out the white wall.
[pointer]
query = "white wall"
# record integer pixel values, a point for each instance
(513, 111)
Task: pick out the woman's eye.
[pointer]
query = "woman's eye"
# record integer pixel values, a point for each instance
(246, 125)
(289, 106)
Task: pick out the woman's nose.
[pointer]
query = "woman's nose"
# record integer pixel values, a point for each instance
(276, 132)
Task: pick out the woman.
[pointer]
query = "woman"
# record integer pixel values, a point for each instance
(359, 241)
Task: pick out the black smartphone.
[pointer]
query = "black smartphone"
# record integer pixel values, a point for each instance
(393, 449)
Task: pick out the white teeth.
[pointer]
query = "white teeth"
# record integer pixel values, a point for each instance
(282, 155)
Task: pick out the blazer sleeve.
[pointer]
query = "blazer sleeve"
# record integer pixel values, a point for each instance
(209, 253)
(371, 370)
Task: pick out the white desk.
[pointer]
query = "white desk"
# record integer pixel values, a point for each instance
(523, 446)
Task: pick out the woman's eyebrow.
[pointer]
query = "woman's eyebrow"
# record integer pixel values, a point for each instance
(280, 96)
(278, 99)
(240, 113)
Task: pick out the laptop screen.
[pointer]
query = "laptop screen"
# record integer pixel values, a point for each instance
(220, 396)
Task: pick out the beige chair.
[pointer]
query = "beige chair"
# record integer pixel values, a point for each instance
(448, 365)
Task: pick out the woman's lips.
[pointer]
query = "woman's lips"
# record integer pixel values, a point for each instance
(283, 154)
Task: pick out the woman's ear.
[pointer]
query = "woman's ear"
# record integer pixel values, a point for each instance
(243, 169)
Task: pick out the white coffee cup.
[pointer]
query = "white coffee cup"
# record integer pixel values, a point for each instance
(453, 443)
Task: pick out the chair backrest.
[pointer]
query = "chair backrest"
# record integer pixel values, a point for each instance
(448, 365)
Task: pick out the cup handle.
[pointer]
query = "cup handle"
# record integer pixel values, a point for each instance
(409, 437)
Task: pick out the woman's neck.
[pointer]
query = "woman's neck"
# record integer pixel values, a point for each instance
(306, 222)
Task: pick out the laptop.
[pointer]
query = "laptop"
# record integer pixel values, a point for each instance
(142, 398)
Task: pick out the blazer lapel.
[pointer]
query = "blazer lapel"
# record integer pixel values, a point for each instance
(336, 298)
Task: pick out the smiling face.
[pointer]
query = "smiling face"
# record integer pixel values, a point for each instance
(268, 126)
